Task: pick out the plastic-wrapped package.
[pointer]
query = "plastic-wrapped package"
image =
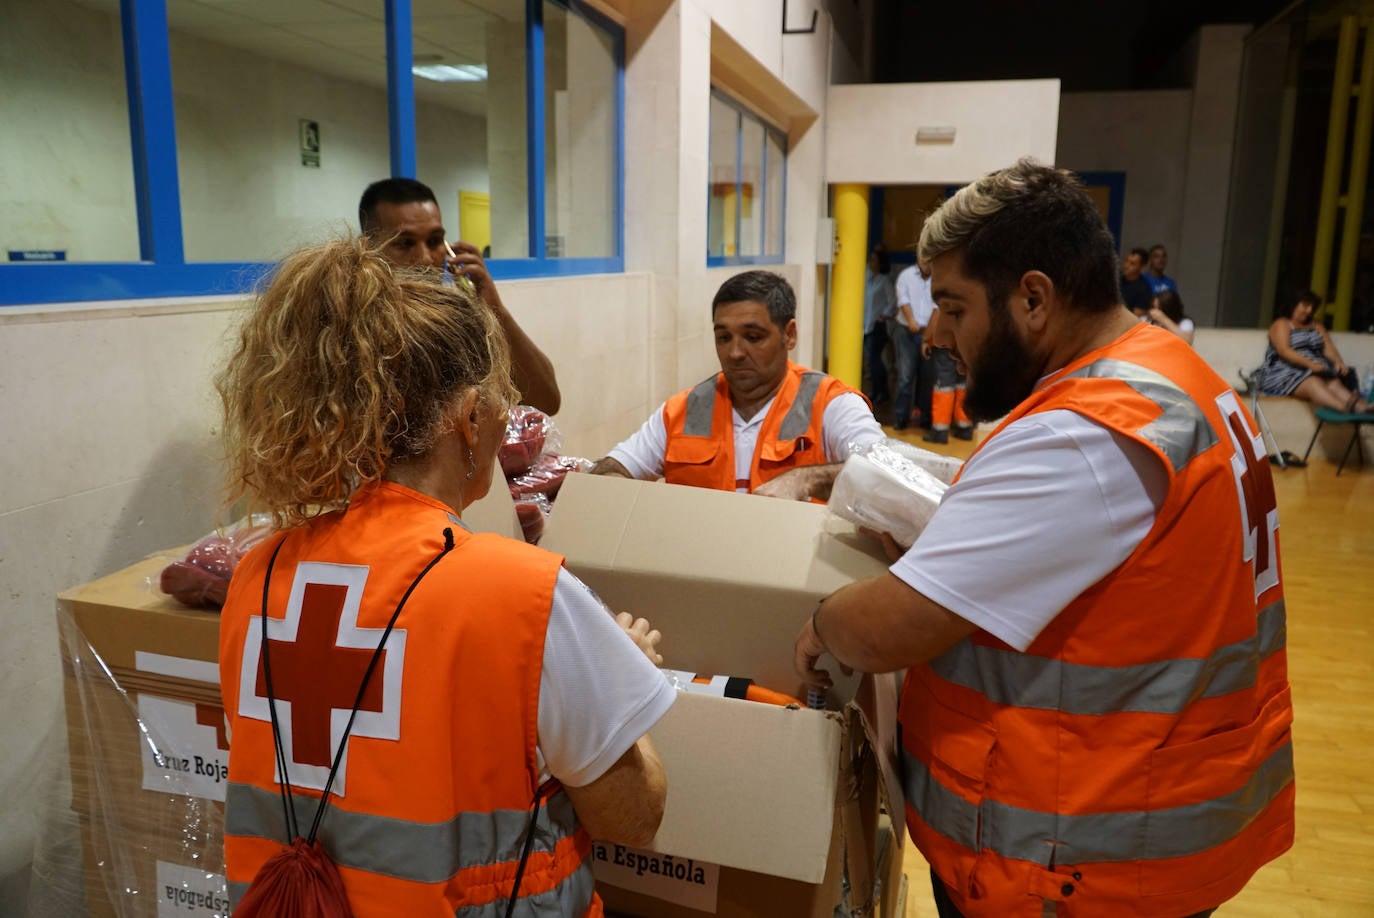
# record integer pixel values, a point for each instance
(883, 489)
(146, 811)
(532, 511)
(201, 579)
(546, 476)
(941, 466)
(529, 433)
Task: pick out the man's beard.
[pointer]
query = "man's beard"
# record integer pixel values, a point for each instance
(1002, 374)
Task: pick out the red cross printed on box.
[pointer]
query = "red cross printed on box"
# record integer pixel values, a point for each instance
(318, 656)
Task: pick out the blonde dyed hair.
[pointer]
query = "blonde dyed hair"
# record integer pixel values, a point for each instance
(1028, 217)
(344, 365)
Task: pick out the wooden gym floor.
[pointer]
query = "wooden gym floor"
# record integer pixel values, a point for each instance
(1326, 536)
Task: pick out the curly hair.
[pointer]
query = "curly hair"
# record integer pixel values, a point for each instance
(1023, 218)
(345, 364)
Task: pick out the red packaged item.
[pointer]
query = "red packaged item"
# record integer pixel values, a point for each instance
(526, 433)
(532, 511)
(546, 476)
(201, 579)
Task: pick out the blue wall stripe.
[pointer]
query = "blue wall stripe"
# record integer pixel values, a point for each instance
(400, 88)
(534, 120)
(152, 129)
(91, 282)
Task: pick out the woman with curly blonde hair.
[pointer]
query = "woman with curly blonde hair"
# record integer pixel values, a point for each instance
(442, 696)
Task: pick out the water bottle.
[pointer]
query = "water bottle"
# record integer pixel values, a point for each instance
(1367, 382)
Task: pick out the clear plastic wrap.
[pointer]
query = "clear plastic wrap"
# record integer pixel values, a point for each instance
(532, 511)
(201, 579)
(941, 466)
(546, 476)
(529, 434)
(888, 490)
(146, 813)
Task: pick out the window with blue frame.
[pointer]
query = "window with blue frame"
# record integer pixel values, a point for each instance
(188, 146)
(746, 187)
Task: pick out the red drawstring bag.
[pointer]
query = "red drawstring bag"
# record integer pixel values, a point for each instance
(297, 882)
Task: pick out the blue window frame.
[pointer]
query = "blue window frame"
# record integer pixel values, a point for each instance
(163, 271)
(725, 246)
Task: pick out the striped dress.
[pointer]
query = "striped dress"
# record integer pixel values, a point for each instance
(1280, 376)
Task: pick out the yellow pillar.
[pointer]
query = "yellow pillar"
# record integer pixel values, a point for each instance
(847, 284)
(1354, 189)
(1335, 155)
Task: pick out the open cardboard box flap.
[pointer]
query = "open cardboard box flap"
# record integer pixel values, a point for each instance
(729, 579)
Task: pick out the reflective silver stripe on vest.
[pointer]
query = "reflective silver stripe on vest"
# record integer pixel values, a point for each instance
(236, 893)
(1048, 908)
(1137, 835)
(1182, 431)
(569, 898)
(798, 418)
(701, 408)
(1022, 680)
(423, 852)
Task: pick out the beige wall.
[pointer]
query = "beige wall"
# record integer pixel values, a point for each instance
(871, 129)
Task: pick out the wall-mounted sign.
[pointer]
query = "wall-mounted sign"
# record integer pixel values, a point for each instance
(38, 254)
(310, 143)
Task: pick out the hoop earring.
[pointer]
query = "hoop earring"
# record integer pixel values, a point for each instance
(472, 466)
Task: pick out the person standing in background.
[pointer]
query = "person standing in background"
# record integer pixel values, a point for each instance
(403, 217)
(880, 305)
(914, 308)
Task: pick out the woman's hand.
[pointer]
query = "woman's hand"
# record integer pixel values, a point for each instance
(645, 639)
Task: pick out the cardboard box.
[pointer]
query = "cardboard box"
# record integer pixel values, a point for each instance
(772, 795)
(146, 738)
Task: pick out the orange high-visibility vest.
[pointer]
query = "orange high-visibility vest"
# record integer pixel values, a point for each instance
(431, 805)
(701, 431)
(1136, 759)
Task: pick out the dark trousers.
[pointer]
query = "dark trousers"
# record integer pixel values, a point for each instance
(947, 910)
(908, 346)
(875, 342)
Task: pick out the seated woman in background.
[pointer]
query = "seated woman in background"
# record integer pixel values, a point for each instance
(1166, 311)
(1302, 362)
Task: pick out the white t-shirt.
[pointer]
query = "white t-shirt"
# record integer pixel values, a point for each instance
(913, 290)
(598, 693)
(847, 424)
(1046, 509)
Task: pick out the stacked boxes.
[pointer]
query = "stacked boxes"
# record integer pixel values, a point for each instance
(148, 752)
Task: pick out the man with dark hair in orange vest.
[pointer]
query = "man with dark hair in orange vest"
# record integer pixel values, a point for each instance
(1088, 727)
(761, 416)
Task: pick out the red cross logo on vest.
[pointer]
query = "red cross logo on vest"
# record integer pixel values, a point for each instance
(318, 655)
(1255, 488)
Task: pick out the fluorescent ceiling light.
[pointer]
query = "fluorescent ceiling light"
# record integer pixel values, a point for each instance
(450, 73)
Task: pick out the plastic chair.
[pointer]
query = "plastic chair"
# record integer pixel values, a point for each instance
(1332, 416)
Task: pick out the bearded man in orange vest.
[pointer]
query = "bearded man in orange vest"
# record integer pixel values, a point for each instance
(1087, 727)
(760, 417)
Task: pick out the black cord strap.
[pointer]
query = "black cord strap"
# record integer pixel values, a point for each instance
(288, 801)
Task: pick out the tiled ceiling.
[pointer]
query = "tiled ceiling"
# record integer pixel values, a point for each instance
(347, 38)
